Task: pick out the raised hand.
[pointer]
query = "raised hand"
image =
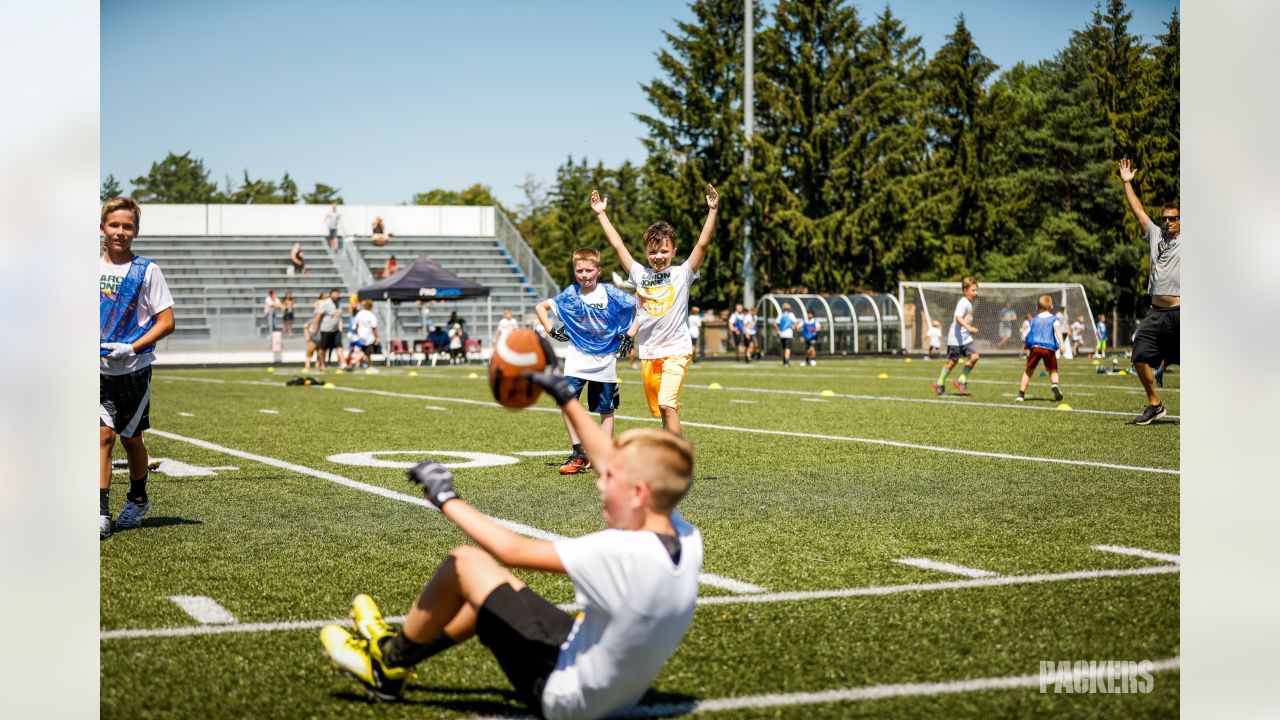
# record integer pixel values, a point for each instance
(713, 197)
(598, 204)
(436, 482)
(1127, 171)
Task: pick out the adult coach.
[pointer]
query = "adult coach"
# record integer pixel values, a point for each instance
(1157, 340)
(135, 309)
(328, 319)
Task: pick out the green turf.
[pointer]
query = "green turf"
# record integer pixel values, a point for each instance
(786, 512)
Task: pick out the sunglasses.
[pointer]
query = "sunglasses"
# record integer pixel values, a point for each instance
(1170, 219)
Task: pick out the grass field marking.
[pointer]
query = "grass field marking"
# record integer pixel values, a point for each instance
(1077, 382)
(353, 410)
(743, 402)
(810, 399)
(787, 433)
(932, 401)
(204, 609)
(720, 581)
(767, 597)
(266, 411)
(1139, 552)
(540, 453)
(185, 414)
(927, 564)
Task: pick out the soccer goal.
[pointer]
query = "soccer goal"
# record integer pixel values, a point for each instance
(998, 313)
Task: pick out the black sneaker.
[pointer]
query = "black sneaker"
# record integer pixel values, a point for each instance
(1152, 412)
(1057, 394)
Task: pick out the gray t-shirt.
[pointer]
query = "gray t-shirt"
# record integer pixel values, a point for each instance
(1165, 262)
(329, 316)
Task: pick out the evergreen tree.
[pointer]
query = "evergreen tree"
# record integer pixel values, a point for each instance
(476, 194)
(1158, 150)
(288, 190)
(1116, 62)
(255, 192)
(110, 188)
(176, 179)
(323, 195)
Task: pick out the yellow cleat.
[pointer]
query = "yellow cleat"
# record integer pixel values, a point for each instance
(351, 656)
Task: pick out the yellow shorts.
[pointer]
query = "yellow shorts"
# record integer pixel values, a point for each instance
(662, 380)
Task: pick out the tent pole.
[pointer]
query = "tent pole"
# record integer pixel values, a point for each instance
(488, 306)
(386, 339)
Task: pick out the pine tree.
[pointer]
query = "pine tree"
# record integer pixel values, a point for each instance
(323, 195)
(176, 179)
(1158, 151)
(110, 188)
(288, 190)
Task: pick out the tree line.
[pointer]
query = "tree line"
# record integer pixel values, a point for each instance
(871, 162)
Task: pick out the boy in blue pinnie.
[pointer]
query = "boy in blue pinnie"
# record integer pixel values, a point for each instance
(599, 324)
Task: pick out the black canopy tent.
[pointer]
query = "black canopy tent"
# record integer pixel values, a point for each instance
(425, 279)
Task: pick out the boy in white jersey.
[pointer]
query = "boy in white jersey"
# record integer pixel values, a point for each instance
(636, 582)
(135, 310)
(505, 326)
(786, 327)
(599, 323)
(663, 293)
(960, 340)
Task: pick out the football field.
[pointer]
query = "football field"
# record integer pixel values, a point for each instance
(871, 550)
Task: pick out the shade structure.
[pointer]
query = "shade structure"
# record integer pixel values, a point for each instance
(424, 279)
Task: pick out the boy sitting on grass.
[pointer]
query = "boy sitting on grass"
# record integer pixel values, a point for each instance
(636, 582)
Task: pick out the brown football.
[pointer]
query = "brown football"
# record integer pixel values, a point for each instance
(518, 352)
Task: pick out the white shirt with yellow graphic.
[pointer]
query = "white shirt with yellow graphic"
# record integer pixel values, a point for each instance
(663, 310)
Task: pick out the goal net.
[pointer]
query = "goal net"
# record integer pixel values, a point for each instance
(998, 313)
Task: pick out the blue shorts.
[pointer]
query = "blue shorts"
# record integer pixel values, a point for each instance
(602, 397)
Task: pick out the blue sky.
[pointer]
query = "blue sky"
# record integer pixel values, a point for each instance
(387, 98)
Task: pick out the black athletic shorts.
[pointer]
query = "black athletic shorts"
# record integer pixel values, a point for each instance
(809, 342)
(124, 402)
(955, 352)
(786, 343)
(1157, 341)
(328, 340)
(524, 632)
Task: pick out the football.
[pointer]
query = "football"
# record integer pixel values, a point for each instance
(518, 352)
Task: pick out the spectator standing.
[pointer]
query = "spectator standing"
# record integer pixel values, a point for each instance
(270, 304)
(695, 330)
(505, 326)
(328, 320)
(288, 308)
(333, 221)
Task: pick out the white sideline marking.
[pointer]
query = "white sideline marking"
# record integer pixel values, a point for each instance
(185, 414)
(526, 530)
(927, 564)
(1139, 552)
(786, 433)
(930, 401)
(744, 402)
(204, 609)
(539, 453)
(269, 412)
(437, 407)
(795, 596)
(811, 399)
(353, 410)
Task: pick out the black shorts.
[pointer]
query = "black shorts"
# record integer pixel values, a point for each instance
(739, 340)
(955, 352)
(809, 342)
(524, 632)
(124, 402)
(786, 343)
(1158, 338)
(328, 340)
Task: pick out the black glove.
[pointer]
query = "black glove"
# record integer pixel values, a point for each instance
(624, 347)
(436, 482)
(553, 383)
(559, 335)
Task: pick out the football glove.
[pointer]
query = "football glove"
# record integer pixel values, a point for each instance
(559, 335)
(117, 351)
(624, 347)
(554, 384)
(436, 482)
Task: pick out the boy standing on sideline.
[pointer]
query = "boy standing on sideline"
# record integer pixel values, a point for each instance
(135, 310)
(750, 326)
(505, 326)
(1156, 342)
(663, 293)
(810, 331)
(960, 340)
(695, 329)
(1077, 335)
(1042, 344)
(637, 583)
(737, 327)
(786, 327)
(1101, 328)
(935, 339)
(599, 321)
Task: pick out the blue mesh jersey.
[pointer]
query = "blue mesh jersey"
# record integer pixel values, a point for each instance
(595, 331)
(118, 311)
(1042, 334)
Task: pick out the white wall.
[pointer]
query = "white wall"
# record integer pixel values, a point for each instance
(308, 220)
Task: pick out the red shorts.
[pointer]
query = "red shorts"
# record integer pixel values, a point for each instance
(1036, 354)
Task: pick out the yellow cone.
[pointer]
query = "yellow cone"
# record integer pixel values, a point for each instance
(372, 371)
(883, 376)
(1063, 406)
(908, 360)
(271, 369)
(472, 376)
(715, 386)
(413, 373)
(338, 371)
(827, 393)
(329, 386)
(1123, 372)
(1096, 361)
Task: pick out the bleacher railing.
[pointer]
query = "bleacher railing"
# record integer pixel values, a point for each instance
(524, 258)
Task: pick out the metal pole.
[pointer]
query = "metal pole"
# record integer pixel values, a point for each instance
(748, 112)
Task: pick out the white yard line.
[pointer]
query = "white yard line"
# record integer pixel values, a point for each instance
(540, 453)
(927, 564)
(1139, 552)
(793, 596)
(895, 373)
(786, 433)
(353, 410)
(205, 610)
(712, 579)
(269, 412)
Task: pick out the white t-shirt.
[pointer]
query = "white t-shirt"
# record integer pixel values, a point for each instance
(1077, 330)
(364, 322)
(153, 297)
(663, 299)
(600, 368)
(789, 331)
(958, 335)
(935, 337)
(749, 324)
(695, 326)
(636, 607)
(505, 326)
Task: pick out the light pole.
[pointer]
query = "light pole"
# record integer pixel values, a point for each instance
(748, 112)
